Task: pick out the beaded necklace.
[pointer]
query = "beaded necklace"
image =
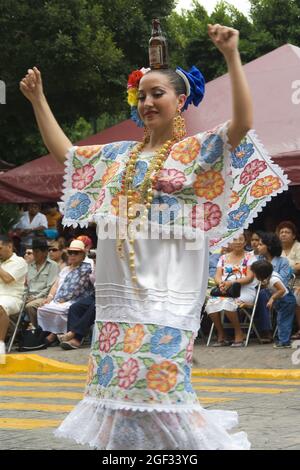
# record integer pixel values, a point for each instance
(145, 195)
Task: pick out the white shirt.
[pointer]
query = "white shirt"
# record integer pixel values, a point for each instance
(39, 220)
(275, 278)
(17, 268)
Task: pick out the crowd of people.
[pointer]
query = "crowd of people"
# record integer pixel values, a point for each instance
(273, 259)
(50, 279)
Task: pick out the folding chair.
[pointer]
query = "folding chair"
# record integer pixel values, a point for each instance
(16, 324)
(246, 316)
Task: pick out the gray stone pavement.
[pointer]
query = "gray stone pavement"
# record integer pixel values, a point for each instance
(268, 410)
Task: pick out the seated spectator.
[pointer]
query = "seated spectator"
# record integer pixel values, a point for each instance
(53, 215)
(73, 283)
(81, 317)
(287, 233)
(282, 299)
(233, 267)
(31, 224)
(57, 254)
(88, 246)
(42, 273)
(270, 248)
(28, 255)
(255, 239)
(13, 271)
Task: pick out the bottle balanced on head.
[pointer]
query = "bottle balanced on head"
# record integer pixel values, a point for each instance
(158, 47)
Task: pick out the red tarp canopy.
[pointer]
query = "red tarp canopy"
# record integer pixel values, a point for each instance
(277, 122)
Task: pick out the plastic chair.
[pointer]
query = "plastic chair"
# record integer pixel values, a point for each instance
(246, 316)
(17, 323)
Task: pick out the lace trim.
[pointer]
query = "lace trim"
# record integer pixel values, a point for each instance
(115, 405)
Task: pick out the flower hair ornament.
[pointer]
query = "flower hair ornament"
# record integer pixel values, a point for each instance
(194, 83)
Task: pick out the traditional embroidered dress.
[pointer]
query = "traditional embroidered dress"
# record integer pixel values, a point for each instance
(139, 393)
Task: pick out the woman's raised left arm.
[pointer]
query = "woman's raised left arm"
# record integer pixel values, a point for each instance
(226, 40)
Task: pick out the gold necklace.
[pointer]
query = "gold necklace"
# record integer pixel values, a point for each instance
(145, 193)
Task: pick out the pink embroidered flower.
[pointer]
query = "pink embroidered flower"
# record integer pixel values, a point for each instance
(83, 176)
(99, 201)
(189, 350)
(170, 181)
(205, 217)
(108, 336)
(127, 374)
(252, 170)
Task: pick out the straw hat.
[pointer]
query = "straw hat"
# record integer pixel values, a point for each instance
(76, 245)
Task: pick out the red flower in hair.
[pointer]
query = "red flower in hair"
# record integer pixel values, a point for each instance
(134, 79)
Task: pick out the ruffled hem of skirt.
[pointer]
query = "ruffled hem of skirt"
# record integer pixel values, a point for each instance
(103, 428)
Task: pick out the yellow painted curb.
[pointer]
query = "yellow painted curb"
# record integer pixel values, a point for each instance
(34, 363)
(279, 374)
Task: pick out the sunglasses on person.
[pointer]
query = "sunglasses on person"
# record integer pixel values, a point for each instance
(71, 252)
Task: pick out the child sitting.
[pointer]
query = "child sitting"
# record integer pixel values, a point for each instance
(282, 300)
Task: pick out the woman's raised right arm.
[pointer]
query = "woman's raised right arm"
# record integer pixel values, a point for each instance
(53, 136)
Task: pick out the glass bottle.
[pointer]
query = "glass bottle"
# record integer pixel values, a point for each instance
(158, 47)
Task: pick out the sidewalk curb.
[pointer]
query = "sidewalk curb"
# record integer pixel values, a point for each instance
(34, 363)
(278, 374)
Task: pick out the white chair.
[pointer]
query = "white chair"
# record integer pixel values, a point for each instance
(16, 324)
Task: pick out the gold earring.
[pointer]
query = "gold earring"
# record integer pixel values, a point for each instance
(146, 135)
(179, 128)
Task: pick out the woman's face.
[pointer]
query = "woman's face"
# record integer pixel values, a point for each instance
(238, 244)
(255, 241)
(286, 235)
(158, 102)
(75, 257)
(262, 249)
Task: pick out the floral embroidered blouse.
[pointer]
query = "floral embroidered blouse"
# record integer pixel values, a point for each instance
(143, 339)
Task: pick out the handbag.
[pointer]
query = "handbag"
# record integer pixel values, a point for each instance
(233, 291)
(32, 340)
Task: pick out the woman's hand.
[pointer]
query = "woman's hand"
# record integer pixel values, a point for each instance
(31, 85)
(224, 38)
(270, 303)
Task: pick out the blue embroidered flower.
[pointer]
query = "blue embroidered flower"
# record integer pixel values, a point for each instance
(212, 148)
(241, 155)
(140, 169)
(166, 342)
(187, 379)
(110, 151)
(135, 117)
(105, 371)
(164, 209)
(238, 217)
(78, 205)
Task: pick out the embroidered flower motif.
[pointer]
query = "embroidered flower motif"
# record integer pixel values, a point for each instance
(186, 151)
(89, 151)
(109, 334)
(78, 205)
(205, 217)
(209, 185)
(83, 176)
(140, 171)
(105, 371)
(166, 342)
(99, 201)
(234, 197)
(190, 349)
(133, 338)
(265, 186)
(212, 148)
(187, 379)
(110, 173)
(110, 151)
(252, 170)
(241, 155)
(170, 181)
(164, 209)
(128, 373)
(115, 203)
(238, 217)
(162, 377)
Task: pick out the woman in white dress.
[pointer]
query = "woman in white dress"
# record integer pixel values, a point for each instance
(149, 291)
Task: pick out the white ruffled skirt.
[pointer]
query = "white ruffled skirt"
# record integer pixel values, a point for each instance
(119, 429)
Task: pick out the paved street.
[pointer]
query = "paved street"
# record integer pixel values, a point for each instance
(32, 405)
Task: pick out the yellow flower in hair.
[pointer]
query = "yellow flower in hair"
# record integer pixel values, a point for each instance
(132, 96)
